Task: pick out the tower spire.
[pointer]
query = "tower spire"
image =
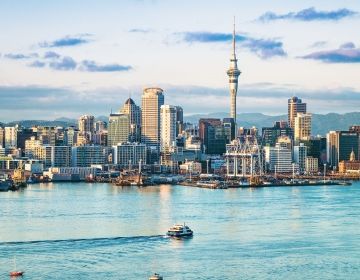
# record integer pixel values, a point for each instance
(233, 42)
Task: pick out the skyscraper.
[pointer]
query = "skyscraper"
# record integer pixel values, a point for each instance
(86, 128)
(118, 129)
(340, 144)
(302, 127)
(152, 99)
(134, 113)
(168, 122)
(233, 74)
(295, 106)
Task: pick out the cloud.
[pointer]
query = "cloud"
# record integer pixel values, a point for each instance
(319, 44)
(51, 54)
(264, 48)
(67, 41)
(347, 53)
(65, 64)
(140, 30)
(309, 14)
(18, 56)
(92, 66)
(37, 64)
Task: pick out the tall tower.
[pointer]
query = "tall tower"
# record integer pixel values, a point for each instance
(134, 112)
(295, 105)
(151, 101)
(233, 74)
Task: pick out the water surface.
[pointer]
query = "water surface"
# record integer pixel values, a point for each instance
(98, 231)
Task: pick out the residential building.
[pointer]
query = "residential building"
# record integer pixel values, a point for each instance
(85, 156)
(129, 153)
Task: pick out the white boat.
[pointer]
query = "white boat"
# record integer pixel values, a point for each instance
(180, 231)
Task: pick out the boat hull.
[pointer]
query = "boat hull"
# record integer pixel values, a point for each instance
(177, 234)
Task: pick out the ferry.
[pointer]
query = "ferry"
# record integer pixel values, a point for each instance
(180, 231)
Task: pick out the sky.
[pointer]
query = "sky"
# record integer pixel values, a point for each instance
(73, 57)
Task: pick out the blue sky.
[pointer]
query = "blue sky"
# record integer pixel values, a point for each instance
(67, 58)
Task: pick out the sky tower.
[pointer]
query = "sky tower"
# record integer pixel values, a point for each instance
(233, 74)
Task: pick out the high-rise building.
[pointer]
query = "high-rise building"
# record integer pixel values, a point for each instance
(71, 136)
(23, 134)
(229, 126)
(118, 129)
(10, 137)
(179, 120)
(152, 100)
(52, 156)
(270, 135)
(212, 135)
(100, 126)
(278, 158)
(167, 127)
(168, 133)
(302, 127)
(47, 134)
(134, 113)
(233, 74)
(300, 154)
(339, 145)
(86, 129)
(295, 106)
(86, 124)
(2, 136)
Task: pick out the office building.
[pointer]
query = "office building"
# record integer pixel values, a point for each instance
(212, 135)
(134, 113)
(270, 135)
(229, 127)
(118, 129)
(302, 127)
(278, 159)
(295, 106)
(152, 100)
(339, 146)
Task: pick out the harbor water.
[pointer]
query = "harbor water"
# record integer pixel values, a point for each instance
(100, 231)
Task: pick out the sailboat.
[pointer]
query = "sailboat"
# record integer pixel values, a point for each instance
(15, 272)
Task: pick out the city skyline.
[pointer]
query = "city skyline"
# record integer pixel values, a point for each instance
(61, 69)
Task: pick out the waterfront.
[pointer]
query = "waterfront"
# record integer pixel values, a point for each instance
(92, 231)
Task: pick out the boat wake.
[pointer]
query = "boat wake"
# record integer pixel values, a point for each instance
(120, 239)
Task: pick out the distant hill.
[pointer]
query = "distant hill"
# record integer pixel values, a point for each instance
(30, 123)
(321, 124)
